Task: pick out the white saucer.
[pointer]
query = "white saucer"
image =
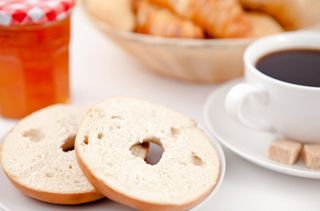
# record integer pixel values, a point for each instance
(247, 143)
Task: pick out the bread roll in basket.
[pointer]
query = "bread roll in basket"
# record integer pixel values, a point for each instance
(197, 60)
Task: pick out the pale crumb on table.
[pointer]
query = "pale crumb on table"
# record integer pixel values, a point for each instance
(311, 154)
(285, 151)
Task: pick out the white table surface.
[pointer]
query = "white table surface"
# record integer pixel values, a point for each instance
(100, 70)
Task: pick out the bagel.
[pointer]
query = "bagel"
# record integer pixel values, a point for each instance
(38, 158)
(187, 172)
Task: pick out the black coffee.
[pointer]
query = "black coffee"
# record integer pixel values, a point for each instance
(298, 66)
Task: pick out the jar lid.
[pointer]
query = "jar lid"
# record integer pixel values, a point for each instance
(28, 12)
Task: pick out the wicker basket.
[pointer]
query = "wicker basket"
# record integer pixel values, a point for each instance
(206, 61)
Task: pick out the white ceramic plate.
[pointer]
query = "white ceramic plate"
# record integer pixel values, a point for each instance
(13, 200)
(247, 143)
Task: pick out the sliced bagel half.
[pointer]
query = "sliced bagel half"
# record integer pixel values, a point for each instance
(39, 159)
(187, 172)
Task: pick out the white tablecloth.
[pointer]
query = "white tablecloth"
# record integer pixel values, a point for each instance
(100, 70)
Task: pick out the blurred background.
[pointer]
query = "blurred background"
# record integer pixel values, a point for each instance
(100, 69)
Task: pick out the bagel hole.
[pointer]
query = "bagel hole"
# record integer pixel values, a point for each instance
(196, 160)
(155, 151)
(68, 144)
(139, 150)
(34, 135)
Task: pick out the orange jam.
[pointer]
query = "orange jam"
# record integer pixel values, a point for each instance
(34, 67)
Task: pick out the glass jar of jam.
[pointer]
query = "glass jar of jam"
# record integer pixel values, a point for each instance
(34, 55)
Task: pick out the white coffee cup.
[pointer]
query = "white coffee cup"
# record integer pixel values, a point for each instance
(268, 104)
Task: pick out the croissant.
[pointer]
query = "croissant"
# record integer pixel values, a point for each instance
(219, 18)
(291, 14)
(161, 22)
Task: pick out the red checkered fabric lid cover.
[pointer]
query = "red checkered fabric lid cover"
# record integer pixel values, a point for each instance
(27, 12)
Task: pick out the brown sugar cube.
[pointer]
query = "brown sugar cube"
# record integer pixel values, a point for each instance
(285, 151)
(311, 154)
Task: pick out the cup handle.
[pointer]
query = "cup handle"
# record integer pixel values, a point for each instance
(235, 102)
